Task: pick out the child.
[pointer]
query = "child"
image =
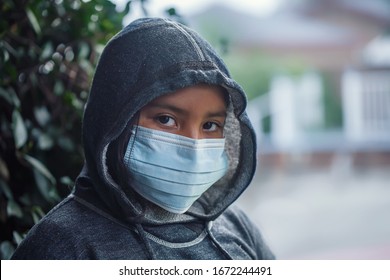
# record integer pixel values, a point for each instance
(168, 149)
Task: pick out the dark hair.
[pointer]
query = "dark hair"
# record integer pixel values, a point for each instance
(115, 153)
(117, 169)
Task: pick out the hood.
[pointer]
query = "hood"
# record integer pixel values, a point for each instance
(149, 58)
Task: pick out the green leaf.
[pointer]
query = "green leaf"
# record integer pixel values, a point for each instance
(47, 51)
(19, 129)
(25, 199)
(10, 96)
(84, 50)
(33, 21)
(42, 115)
(7, 47)
(4, 94)
(6, 190)
(38, 166)
(13, 209)
(5, 57)
(17, 237)
(45, 187)
(66, 181)
(58, 88)
(45, 142)
(6, 250)
(37, 214)
(35, 217)
(66, 143)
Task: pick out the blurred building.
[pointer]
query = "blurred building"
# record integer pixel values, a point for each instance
(346, 40)
(323, 123)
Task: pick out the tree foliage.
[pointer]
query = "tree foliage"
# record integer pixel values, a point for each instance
(48, 51)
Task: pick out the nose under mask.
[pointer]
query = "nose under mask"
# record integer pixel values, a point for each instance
(171, 170)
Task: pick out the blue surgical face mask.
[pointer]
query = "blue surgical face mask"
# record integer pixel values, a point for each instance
(173, 171)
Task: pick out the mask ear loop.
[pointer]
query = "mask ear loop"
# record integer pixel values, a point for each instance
(133, 132)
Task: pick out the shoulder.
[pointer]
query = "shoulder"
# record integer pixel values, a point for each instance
(66, 232)
(49, 238)
(237, 219)
(236, 225)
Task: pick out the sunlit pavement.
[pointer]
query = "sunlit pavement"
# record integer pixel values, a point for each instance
(323, 213)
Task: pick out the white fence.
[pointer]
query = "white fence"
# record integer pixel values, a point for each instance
(296, 107)
(297, 111)
(366, 105)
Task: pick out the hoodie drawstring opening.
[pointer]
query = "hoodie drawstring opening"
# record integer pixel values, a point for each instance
(145, 241)
(216, 243)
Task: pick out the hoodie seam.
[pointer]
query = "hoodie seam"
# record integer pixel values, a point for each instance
(168, 244)
(189, 38)
(216, 243)
(99, 211)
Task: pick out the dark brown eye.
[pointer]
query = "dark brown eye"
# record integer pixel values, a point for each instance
(166, 120)
(210, 126)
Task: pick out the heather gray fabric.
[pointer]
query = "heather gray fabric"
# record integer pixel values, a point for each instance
(103, 219)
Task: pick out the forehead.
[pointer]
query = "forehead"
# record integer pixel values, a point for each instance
(199, 96)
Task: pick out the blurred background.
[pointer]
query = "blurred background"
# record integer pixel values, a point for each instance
(317, 75)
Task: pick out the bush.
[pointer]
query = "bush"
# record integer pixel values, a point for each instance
(48, 51)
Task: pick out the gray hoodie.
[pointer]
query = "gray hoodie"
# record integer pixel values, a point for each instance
(105, 219)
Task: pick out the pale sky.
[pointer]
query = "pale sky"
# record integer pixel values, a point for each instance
(187, 7)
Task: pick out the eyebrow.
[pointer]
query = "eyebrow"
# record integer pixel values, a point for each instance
(181, 111)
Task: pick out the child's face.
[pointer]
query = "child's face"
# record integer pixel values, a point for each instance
(196, 112)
